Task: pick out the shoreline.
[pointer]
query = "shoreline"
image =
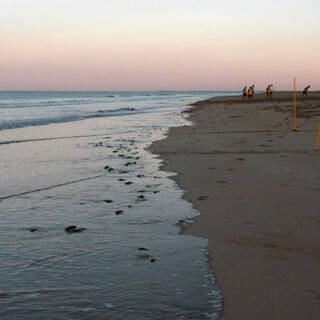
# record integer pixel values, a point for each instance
(106, 184)
(256, 184)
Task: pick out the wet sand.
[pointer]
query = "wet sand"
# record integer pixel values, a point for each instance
(257, 186)
(129, 262)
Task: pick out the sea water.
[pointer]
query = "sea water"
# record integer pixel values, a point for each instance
(79, 158)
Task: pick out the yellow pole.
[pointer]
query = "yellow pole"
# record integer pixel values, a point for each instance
(295, 103)
(318, 137)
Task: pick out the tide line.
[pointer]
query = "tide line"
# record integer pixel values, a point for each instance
(50, 187)
(52, 138)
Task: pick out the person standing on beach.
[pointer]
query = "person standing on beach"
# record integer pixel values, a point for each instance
(244, 92)
(268, 90)
(250, 92)
(253, 92)
(305, 90)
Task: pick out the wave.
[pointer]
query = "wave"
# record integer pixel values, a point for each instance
(60, 119)
(23, 109)
(48, 103)
(115, 110)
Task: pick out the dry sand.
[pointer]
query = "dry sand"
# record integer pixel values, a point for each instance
(257, 186)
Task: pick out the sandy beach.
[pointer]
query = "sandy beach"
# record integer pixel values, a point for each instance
(257, 186)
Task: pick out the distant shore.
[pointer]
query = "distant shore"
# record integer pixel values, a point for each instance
(257, 186)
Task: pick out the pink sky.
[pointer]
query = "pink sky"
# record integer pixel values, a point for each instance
(154, 48)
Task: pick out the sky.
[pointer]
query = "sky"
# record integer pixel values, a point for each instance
(158, 44)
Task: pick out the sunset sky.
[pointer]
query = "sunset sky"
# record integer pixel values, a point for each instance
(158, 44)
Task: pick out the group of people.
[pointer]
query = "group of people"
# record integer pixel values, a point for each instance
(269, 90)
(248, 92)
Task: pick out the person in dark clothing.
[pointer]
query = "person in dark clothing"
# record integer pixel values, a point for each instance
(305, 90)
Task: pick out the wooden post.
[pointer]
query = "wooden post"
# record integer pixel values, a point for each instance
(295, 103)
(318, 137)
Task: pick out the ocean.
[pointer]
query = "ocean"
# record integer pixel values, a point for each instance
(80, 158)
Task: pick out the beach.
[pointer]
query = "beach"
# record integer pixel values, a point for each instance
(256, 183)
